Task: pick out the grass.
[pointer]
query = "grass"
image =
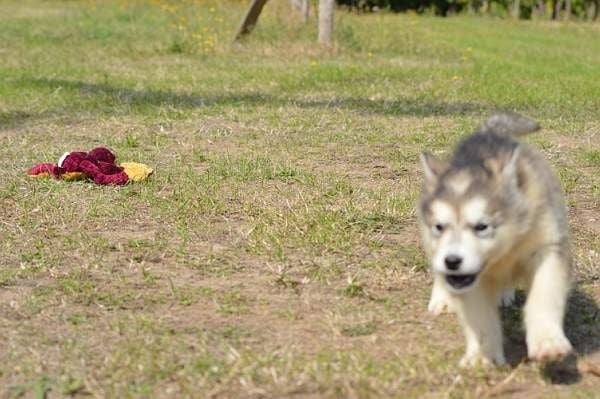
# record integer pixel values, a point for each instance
(275, 250)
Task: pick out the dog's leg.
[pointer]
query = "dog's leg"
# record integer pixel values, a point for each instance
(440, 301)
(545, 308)
(478, 313)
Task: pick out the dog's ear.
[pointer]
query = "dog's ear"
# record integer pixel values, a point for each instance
(506, 168)
(510, 171)
(433, 168)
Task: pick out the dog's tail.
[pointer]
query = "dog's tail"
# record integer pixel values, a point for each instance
(509, 124)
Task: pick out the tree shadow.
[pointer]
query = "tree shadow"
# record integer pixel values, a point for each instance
(16, 118)
(109, 97)
(582, 327)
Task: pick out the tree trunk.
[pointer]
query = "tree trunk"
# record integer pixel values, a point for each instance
(452, 10)
(305, 10)
(250, 18)
(326, 8)
(516, 9)
(568, 9)
(592, 10)
(303, 6)
(471, 7)
(558, 5)
(486, 6)
(541, 8)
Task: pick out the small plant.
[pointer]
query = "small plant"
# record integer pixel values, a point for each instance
(148, 277)
(186, 298)
(131, 141)
(73, 386)
(199, 156)
(360, 329)
(353, 288)
(592, 157)
(232, 302)
(77, 319)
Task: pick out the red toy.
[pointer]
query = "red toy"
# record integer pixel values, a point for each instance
(98, 164)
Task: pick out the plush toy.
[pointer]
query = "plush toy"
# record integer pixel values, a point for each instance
(98, 165)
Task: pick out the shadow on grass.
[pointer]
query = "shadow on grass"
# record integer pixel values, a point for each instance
(15, 118)
(582, 327)
(107, 98)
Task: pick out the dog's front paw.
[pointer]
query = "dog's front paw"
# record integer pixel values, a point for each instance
(548, 345)
(439, 303)
(470, 360)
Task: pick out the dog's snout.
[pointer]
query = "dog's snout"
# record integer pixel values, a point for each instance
(453, 262)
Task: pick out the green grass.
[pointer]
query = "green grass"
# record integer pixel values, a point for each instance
(275, 250)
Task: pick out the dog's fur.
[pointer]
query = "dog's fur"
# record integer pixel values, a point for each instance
(492, 218)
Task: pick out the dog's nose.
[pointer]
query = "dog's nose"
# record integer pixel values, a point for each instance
(453, 262)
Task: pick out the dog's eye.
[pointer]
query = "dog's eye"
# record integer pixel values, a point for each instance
(481, 227)
(438, 227)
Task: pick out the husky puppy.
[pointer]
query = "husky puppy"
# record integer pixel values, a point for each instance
(491, 218)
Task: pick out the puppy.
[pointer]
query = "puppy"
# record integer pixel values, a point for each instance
(491, 218)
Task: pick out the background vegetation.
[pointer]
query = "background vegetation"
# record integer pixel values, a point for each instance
(526, 9)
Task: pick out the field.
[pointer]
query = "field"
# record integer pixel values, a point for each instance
(274, 253)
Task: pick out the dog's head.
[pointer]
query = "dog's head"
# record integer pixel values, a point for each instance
(470, 215)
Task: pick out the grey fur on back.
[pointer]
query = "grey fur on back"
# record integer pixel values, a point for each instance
(509, 124)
